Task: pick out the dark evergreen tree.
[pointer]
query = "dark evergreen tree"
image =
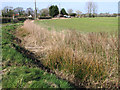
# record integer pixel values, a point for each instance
(53, 10)
(63, 12)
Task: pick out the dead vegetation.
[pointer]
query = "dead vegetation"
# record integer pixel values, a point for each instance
(86, 59)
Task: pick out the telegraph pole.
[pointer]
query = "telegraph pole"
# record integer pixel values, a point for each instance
(35, 11)
(59, 9)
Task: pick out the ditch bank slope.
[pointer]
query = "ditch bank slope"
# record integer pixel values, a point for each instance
(88, 60)
(20, 67)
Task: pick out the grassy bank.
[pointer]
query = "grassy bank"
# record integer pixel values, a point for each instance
(19, 71)
(98, 24)
(89, 59)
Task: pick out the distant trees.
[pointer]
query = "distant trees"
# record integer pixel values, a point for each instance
(53, 10)
(94, 9)
(44, 12)
(29, 11)
(10, 13)
(19, 10)
(70, 11)
(7, 11)
(91, 8)
(63, 12)
(73, 14)
(78, 13)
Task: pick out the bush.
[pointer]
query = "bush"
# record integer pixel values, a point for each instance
(15, 20)
(31, 18)
(73, 14)
(6, 20)
(45, 17)
(10, 19)
(22, 19)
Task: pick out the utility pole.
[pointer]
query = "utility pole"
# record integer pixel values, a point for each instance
(59, 10)
(35, 11)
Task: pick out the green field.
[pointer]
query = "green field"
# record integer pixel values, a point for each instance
(99, 24)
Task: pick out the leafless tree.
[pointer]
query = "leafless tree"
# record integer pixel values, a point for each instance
(7, 9)
(78, 13)
(44, 12)
(91, 8)
(29, 11)
(70, 11)
(94, 8)
(19, 10)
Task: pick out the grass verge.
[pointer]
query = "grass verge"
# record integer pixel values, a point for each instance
(20, 71)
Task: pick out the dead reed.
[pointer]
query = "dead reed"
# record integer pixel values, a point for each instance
(91, 57)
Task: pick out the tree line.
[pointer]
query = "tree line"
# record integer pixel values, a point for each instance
(52, 11)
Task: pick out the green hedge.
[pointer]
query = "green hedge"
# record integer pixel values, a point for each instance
(10, 19)
(73, 14)
(22, 19)
(31, 18)
(6, 20)
(45, 17)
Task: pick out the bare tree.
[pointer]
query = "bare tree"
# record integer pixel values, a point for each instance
(29, 11)
(94, 9)
(19, 10)
(7, 9)
(70, 11)
(44, 12)
(91, 8)
(78, 13)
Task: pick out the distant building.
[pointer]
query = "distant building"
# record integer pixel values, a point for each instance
(30, 16)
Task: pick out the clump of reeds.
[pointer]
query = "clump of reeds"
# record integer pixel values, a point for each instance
(91, 57)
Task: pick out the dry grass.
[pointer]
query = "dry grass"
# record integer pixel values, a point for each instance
(91, 57)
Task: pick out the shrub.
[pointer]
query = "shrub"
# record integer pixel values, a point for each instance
(6, 19)
(15, 20)
(31, 18)
(22, 19)
(45, 17)
(73, 14)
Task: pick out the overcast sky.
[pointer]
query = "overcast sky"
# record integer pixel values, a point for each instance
(103, 6)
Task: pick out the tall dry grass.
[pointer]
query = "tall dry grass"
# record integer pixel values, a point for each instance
(92, 58)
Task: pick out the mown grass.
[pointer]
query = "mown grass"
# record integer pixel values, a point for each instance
(20, 71)
(98, 24)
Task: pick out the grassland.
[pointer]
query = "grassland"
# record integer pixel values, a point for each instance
(99, 24)
(19, 71)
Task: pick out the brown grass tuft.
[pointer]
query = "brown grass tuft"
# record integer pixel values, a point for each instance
(91, 57)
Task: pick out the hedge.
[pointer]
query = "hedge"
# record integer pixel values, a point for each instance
(6, 20)
(45, 17)
(73, 14)
(10, 19)
(22, 19)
